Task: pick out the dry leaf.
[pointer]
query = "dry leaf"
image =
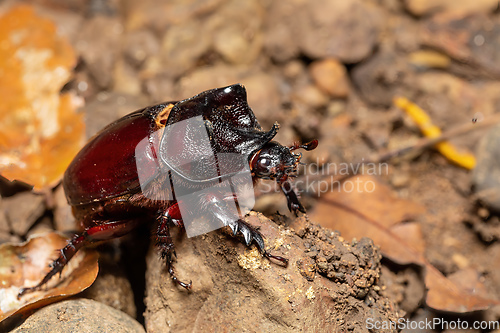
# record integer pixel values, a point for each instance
(39, 130)
(378, 215)
(24, 265)
(372, 214)
(446, 295)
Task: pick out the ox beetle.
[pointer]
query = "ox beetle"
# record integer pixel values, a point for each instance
(110, 195)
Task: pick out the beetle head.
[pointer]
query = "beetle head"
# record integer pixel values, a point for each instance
(278, 162)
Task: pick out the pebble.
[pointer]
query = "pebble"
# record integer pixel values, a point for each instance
(79, 315)
(22, 211)
(331, 77)
(486, 175)
(98, 45)
(424, 7)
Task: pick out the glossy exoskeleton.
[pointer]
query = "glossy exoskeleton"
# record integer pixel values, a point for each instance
(109, 200)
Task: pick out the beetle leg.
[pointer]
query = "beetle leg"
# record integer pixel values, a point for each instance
(249, 233)
(293, 202)
(106, 231)
(166, 246)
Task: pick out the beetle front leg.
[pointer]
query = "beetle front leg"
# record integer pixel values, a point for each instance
(293, 202)
(106, 231)
(249, 233)
(165, 244)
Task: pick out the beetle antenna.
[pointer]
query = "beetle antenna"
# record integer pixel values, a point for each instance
(307, 146)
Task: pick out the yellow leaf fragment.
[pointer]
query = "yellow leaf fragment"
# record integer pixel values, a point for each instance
(430, 130)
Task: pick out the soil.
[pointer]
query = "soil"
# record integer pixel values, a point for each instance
(325, 70)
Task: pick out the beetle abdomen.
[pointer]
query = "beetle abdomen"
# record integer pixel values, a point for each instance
(106, 166)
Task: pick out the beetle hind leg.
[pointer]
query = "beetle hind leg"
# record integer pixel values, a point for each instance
(166, 246)
(249, 233)
(102, 232)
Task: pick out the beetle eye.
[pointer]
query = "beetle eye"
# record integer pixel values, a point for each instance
(263, 165)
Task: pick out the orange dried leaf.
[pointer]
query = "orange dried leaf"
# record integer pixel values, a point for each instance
(39, 130)
(26, 264)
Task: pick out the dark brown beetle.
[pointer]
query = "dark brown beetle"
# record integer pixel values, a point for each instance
(124, 175)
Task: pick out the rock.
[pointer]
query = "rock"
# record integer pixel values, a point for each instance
(125, 78)
(238, 31)
(486, 175)
(311, 96)
(235, 288)
(280, 38)
(63, 216)
(79, 315)
(69, 23)
(231, 43)
(159, 88)
(382, 77)
(22, 211)
(139, 46)
(264, 98)
(424, 7)
(331, 77)
(476, 46)
(346, 30)
(5, 232)
(182, 46)
(113, 289)
(98, 45)
(159, 16)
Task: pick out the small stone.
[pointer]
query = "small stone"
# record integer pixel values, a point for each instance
(79, 315)
(98, 46)
(331, 77)
(182, 46)
(63, 216)
(139, 46)
(486, 175)
(294, 69)
(22, 210)
(264, 98)
(400, 179)
(423, 7)
(112, 288)
(322, 264)
(125, 78)
(235, 48)
(346, 30)
(311, 96)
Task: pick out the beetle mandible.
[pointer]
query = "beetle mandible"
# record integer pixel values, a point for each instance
(113, 187)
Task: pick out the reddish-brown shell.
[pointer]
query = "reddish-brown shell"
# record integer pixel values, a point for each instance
(106, 166)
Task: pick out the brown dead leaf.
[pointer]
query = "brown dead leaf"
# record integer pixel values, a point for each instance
(39, 130)
(447, 295)
(373, 211)
(378, 214)
(24, 265)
